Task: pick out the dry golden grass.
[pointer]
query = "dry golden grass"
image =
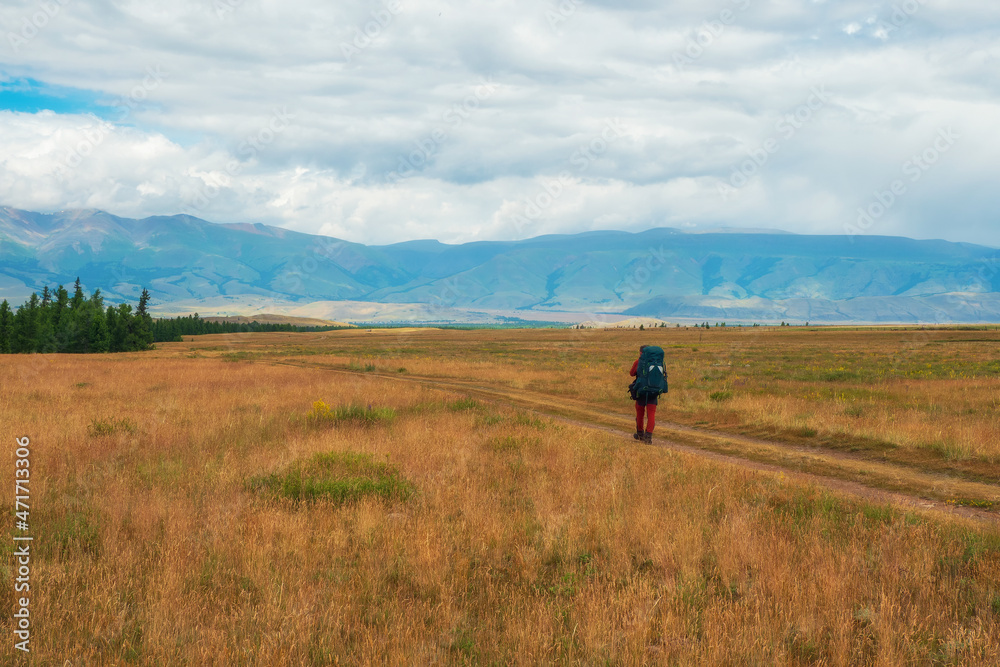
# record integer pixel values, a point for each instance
(527, 540)
(926, 398)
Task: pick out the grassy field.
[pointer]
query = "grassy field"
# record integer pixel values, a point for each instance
(418, 497)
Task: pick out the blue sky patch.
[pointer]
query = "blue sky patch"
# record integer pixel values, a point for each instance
(31, 96)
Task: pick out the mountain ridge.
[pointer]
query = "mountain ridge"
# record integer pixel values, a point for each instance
(659, 272)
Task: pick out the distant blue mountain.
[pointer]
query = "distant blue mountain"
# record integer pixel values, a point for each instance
(661, 272)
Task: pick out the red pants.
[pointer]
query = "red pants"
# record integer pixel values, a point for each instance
(650, 414)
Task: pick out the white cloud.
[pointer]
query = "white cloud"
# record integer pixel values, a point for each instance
(204, 140)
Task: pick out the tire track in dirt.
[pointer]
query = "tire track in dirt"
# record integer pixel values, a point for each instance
(580, 414)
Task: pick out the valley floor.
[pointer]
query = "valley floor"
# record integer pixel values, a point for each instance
(422, 496)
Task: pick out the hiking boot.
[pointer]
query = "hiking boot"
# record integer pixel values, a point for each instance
(639, 435)
(647, 437)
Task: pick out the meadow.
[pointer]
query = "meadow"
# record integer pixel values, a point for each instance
(472, 497)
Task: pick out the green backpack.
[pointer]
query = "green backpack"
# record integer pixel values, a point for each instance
(650, 375)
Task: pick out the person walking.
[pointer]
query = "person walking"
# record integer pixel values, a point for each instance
(650, 382)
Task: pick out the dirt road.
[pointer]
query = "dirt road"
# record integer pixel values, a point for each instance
(857, 476)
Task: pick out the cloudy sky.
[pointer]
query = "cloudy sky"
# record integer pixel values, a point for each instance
(391, 120)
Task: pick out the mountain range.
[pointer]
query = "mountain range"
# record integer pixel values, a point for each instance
(189, 264)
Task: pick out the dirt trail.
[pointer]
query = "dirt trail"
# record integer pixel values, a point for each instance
(581, 414)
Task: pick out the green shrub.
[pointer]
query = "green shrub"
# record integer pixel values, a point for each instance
(951, 451)
(840, 375)
(720, 396)
(340, 477)
(363, 368)
(242, 355)
(110, 426)
(463, 404)
(356, 414)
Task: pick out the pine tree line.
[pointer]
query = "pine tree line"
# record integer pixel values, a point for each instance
(58, 322)
(171, 329)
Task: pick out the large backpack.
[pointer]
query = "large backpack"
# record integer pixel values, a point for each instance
(650, 375)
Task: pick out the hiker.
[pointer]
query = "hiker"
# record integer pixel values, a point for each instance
(650, 381)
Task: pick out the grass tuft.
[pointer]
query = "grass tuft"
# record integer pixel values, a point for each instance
(110, 426)
(464, 404)
(840, 375)
(72, 535)
(361, 368)
(856, 411)
(950, 451)
(351, 414)
(340, 477)
(241, 355)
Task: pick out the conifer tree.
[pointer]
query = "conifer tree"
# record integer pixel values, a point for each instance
(77, 294)
(114, 329)
(26, 326)
(47, 338)
(58, 315)
(6, 326)
(143, 323)
(122, 338)
(100, 339)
